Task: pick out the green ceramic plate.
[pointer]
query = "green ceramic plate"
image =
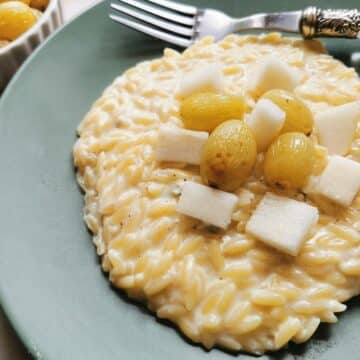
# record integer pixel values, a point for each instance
(51, 286)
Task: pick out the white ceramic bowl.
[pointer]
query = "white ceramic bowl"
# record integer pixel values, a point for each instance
(14, 54)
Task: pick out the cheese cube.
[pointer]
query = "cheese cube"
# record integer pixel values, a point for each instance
(336, 127)
(266, 122)
(340, 181)
(282, 222)
(207, 78)
(176, 144)
(275, 74)
(202, 202)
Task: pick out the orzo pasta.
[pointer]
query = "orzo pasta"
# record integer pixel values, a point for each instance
(221, 287)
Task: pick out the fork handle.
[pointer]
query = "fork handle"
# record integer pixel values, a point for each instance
(342, 23)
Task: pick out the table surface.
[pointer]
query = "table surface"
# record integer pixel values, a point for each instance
(10, 346)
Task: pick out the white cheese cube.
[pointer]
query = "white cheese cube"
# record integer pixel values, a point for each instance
(176, 144)
(336, 127)
(207, 78)
(282, 222)
(340, 181)
(266, 122)
(275, 74)
(202, 202)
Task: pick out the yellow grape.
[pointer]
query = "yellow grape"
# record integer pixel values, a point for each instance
(205, 111)
(39, 4)
(289, 161)
(15, 18)
(298, 116)
(229, 156)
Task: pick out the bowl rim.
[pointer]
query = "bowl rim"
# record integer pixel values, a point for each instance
(33, 29)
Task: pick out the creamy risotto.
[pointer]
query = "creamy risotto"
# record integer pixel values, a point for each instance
(220, 285)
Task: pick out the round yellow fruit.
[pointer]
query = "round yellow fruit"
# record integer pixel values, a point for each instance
(229, 156)
(289, 161)
(39, 4)
(205, 111)
(15, 18)
(298, 116)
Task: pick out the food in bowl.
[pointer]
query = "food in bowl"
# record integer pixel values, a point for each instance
(240, 225)
(17, 17)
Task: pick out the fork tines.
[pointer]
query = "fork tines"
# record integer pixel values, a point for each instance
(165, 19)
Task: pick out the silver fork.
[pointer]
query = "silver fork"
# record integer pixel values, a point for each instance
(183, 25)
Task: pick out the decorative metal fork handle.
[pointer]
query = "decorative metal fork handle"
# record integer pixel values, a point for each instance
(182, 25)
(330, 23)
